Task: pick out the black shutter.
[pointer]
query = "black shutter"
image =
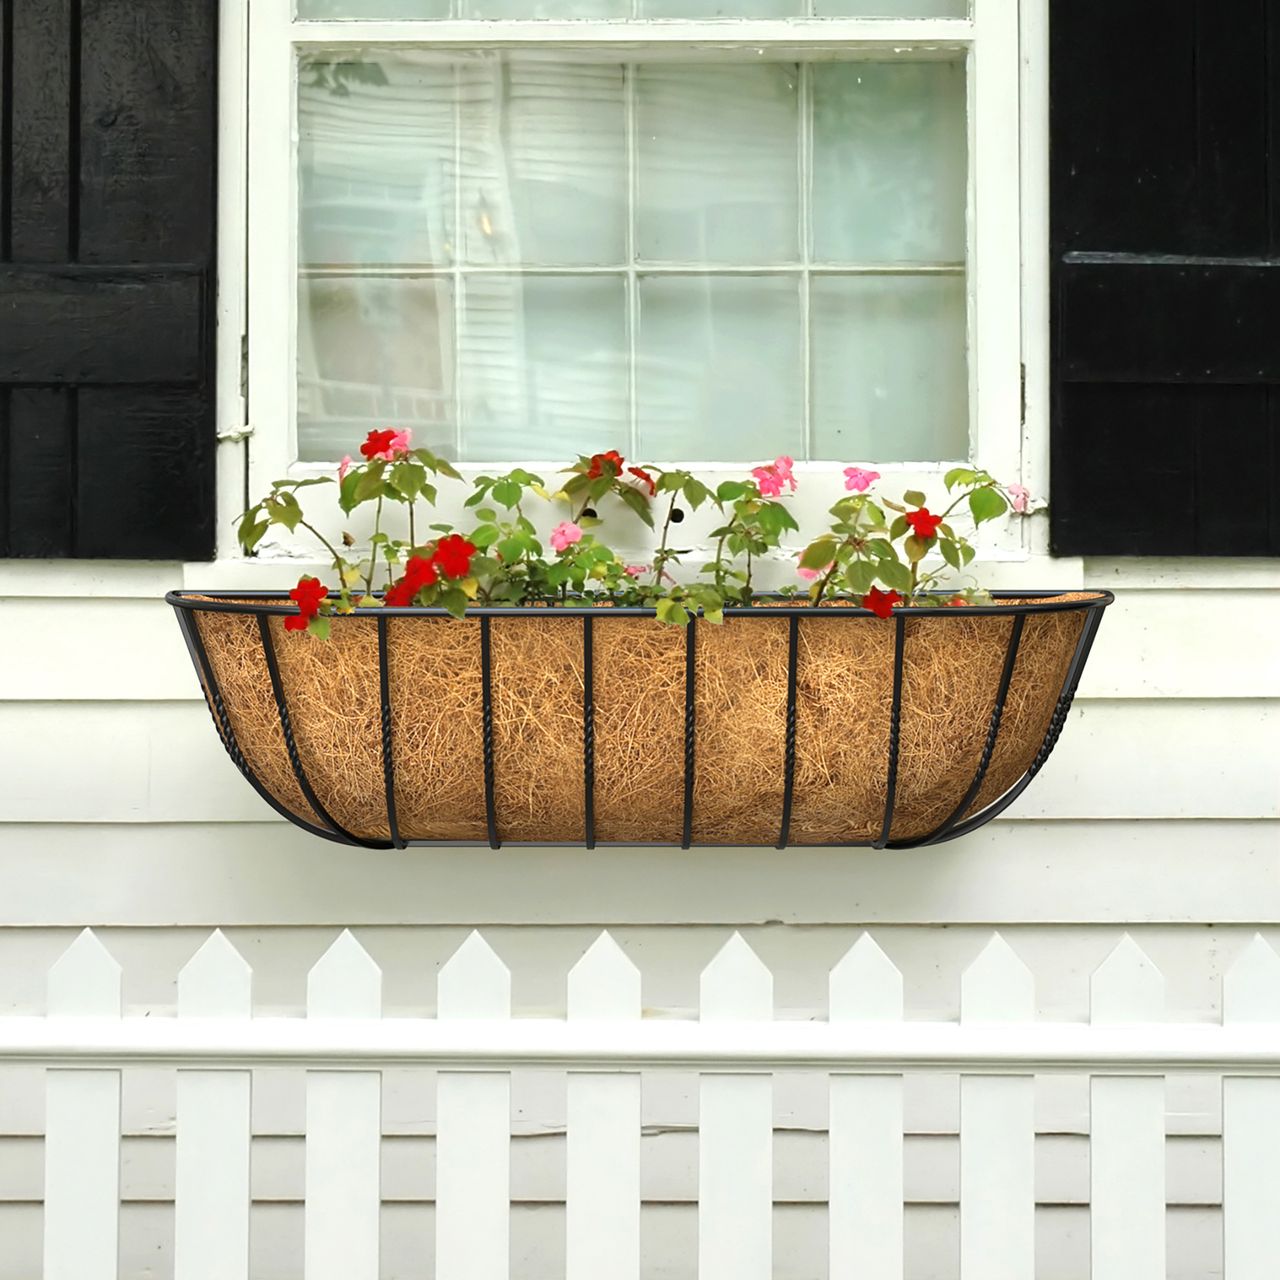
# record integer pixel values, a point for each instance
(1165, 231)
(107, 202)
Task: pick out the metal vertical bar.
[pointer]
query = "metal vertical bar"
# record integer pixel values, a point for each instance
(993, 732)
(486, 703)
(690, 726)
(895, 726)
(286, 728)
(588, 737)
(789, 753)
(388, 755)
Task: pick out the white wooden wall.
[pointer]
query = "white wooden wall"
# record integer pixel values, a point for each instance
(1160, 812)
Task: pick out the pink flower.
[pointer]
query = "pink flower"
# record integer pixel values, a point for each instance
(856, 480)
(343, 467)
(565, 534)
(772, 476)
(401, 442)
(635, 570)
(1020, 498)
(812, 575)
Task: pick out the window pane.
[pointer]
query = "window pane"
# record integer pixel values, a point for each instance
(722, 8)
(719, 368)
(889, 380)
(889, 162)
(373, 351)
(718, 165)
(544, 163)
(543, 366)
(890, 8)
(375, 159)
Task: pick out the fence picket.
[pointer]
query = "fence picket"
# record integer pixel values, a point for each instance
(602, 1192)
(82, 1127)
(1251, 1127)
(735, 1130)
(344, 1128)
(997, 1130)
(211, 1190)
(1126, 1130)
(473, 1129)
(865, 1202)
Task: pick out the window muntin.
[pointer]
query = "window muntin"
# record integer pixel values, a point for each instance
(522, 254)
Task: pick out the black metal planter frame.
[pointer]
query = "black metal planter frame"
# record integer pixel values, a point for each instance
(263, 604)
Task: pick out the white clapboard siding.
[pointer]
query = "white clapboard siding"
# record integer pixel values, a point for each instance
(473, 1144)
(1153, 644)
(212, 1160)
(866, 1189)
(1127, 1156)
(997, 1130)
(1251, 1126)
(735, 1130)
(82, 1127)
(1026, 873)
(344, 1127)
(602, 1182)
(164, 762)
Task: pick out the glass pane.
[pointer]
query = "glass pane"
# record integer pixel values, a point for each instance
(373, 351)
(375, 159)
(373, 9)
(544, 163)
(719, 368)
(890, 8)
(889, 160)
(889, 377)
(543, 366)
(722, 8)
(718, 163)
(545, 8)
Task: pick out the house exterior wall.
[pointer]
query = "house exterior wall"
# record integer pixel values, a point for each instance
(1159, 813)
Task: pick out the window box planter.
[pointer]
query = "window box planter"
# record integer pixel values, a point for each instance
(580, 725)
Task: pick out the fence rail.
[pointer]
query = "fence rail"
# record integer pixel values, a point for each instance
(864, 1048)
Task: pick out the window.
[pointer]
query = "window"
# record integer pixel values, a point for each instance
(697, 240)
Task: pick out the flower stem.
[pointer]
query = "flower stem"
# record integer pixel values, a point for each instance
(660, 559)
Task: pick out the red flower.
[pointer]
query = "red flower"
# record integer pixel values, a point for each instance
(598, 461)
(956, 602)
(645, 478)
(881, 602)
(924, 524)
(453, 556)
(378, 444)
(418, 573)
(308, 595)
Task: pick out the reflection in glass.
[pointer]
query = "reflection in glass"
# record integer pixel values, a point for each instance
(544, 162)
(718, 163)
(889, 375)
(719, 368)
(543, 366)
(889, 157)
(373, 351)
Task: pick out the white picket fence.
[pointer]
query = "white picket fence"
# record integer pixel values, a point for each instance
(604, 1044)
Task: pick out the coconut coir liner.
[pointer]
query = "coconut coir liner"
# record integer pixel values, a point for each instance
(951, 670)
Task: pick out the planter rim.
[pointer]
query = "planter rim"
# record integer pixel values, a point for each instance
(278, 602)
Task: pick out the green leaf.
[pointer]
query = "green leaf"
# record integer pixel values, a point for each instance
(672, 481)
(695, 492)
(485, 513)
(958, 475)
(638, 503)
(819, 554)
(485, 535)
(672, 611)
(916, 548)
(987, 504)
(319, 627)
(913, 497)
(506, 493)
(730, 490)
(950, 552)
(898, 527)
(369, 484)
(511, 549)
(251, 534)
(860, 576)
(453, 599)
(966, 552)
(895, 574)
(283, 509)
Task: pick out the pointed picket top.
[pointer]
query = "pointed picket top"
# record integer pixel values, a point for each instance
(997, 986)
(85, 980)
(604, 983)
(736, 985)
(344, 982)
(216, 982)
(1126, 987)
(474, 983)
(1251, 987)
(865, 986)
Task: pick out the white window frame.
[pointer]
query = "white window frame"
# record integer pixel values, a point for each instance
(1007, 251)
